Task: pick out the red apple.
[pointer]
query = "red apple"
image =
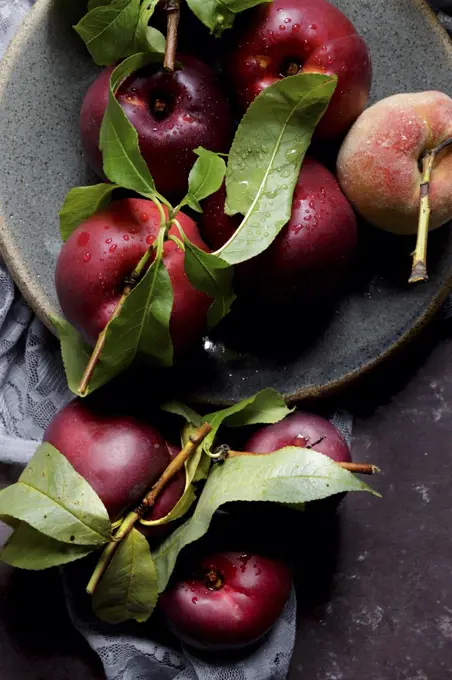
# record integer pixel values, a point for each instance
(231, 600)
(104, 250)
(119, 456)
(310, 255)
(173, 113)
(305, 430)
(285, 37)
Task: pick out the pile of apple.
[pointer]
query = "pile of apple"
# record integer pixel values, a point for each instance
(218, 601)
(136, 278)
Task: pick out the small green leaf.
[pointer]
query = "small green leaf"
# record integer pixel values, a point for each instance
(146, 37)
(206, 175)
(290, 475)
(27, 548)
(180, 409)
(75, 353)
(155, 40)
(265, 159)
(218, 15)
(54, 499)
(82, 202)
(267, 406)
(123, 162)
(108, 30)
(128, 589)
(212, 276)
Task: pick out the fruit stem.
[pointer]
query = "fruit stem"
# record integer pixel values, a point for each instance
(419, 267)
(148, 501)
(360, 468)
(172, 8)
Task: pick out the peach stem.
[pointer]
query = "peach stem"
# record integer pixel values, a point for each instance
(419, 267)
(148, 501)
(359, 468)
(172, 9)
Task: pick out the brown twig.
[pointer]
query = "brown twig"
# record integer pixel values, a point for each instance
(172, 9)
(360, 468)
(148, 501)
(419, 267)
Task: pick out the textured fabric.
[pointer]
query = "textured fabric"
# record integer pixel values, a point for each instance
(32, 390)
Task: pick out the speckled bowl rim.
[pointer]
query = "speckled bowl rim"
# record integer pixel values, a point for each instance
(36, 297)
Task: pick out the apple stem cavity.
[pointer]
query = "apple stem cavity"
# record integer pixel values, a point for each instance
(172, 9)
(213, 579)
(148, 501)
(223, 452)
(419, 267)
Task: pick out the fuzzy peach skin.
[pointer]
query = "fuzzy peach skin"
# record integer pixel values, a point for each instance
(378, 163)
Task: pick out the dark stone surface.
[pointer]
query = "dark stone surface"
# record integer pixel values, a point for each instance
(375, 599)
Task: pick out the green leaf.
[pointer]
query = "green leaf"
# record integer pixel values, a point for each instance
(75, 352)
(267, 406)
(54, 499)
(180, 409)
(146, 37)
(27, 548)
(82, 202)
(128, 589)
(108, 30)
(155, 40)
(212, 276)
(206, 175)
(218, 15)
(123, 162)
(265, 159)
(291, 475)
(141, 328)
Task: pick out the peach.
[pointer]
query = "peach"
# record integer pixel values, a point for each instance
(378, 164)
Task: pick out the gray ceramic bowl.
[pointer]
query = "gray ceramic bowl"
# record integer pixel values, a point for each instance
(42, 82)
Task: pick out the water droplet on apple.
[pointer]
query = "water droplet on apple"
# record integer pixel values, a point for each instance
(112, 248)
(194, 599)
(86, 257)
(149, 239)
(188, 118)
(295, 28)
(313, 27)
(108, 240)
(287, 20)
(329, 60)
(324, 48)
(282, 27)
(126, 237)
